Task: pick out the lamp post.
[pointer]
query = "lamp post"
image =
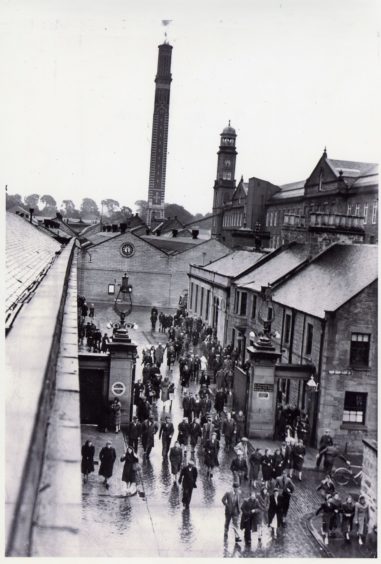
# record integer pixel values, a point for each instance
(123, 307)
(123, 353)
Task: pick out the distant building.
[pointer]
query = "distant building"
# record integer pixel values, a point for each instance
(260, 213)
(159, 143)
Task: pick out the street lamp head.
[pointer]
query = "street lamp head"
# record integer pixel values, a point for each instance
(312, 385)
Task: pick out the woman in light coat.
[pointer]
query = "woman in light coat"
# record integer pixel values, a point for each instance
(361, 518)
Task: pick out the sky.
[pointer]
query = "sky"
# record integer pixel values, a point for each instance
(77, 92)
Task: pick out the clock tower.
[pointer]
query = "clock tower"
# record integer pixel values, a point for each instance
(224, 184)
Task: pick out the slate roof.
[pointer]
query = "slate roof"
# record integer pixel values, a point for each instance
(96, 238)
(167, 225)
(234, 263)
(172, 245)
(290, 190)
(330, 280)
(350, 168)
(279, 263)
(28, 253)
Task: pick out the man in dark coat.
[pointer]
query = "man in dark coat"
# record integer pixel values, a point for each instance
(166, 434)
(229, 430)
(286, 488)
(207, 430)
(196, 406)
(249, 510)
(239, 468)
(187, 406)
(134, 431)
(275, 511)
(107, 456)
(149, 429)
(331, 453)
(232, 503)
(325, 441)
(194, 432)
(219, 401)
(188, 478)
(183, 435)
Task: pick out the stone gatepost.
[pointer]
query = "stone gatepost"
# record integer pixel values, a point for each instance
(260, 417)
(122, 372)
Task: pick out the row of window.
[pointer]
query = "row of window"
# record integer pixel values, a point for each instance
(274, 218)
(360, 342)
(276, 241)
(198, 297)
(233, 219)
(354, 209)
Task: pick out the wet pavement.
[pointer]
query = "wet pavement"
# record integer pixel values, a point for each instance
(156, 524)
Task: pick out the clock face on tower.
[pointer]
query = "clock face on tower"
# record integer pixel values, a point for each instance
(127, 250)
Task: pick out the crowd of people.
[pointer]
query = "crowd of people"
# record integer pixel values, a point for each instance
(209, 424)
(88, 333)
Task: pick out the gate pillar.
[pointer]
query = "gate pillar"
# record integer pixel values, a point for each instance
(122, 372)
(261, 405)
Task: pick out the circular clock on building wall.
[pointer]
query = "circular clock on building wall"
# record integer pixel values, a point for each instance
(127, 250)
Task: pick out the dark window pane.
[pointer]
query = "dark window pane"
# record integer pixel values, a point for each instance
(359, 355)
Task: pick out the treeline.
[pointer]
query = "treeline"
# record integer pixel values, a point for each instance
(46, 205)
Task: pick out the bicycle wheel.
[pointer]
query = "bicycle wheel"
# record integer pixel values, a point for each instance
(342, 476)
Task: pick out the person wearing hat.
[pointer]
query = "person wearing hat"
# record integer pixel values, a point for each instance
(245, 447)
(107, 456)
(250, 510)
(327, 509)
(286, 487)
(275, 511)
(325, 441)
(188, 479)
(149, 430)
(232, 503)
(239, 468)
(176, 459)
(211, 448)
(134, 431)
(166, 434)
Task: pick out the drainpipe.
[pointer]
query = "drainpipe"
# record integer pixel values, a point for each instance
(318, 393)
(291, 336)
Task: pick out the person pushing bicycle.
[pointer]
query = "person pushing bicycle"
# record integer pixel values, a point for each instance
(332, 452)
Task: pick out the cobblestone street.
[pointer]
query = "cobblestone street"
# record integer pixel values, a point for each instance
(157, 525)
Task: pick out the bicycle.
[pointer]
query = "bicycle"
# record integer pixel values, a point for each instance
(344, 475)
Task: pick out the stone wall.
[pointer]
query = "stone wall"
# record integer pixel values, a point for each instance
(156, 277)
(338, 376)
(369, 478)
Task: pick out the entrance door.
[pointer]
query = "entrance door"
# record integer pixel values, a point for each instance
(91, 395)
